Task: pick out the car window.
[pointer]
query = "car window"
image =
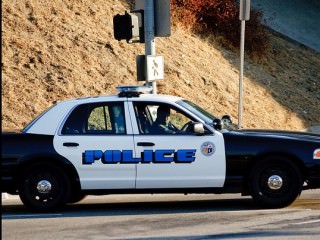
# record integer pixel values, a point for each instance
(106, 118)
(99, 119)
(161, 119)
(178, 119)
(197, 110)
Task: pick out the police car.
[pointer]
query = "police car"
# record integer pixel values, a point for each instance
(136, 142)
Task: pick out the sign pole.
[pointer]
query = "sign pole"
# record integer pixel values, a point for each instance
(243, 25)
(244, 14)
(150, 45)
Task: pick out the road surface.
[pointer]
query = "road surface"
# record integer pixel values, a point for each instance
(175, 216)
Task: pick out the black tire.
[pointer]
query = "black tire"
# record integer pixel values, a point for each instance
(76, 197)
(39, 198)
(265, 187)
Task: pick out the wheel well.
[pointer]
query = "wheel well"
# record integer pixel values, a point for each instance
(65, 165)
(264, 157)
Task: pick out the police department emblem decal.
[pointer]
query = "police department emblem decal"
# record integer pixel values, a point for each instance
(208, 148)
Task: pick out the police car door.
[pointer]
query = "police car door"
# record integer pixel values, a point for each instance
(92, 138)
(177, 159)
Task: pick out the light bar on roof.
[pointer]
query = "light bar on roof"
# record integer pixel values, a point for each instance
(133, 91)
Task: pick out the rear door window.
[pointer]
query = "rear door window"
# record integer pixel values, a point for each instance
(102, 118)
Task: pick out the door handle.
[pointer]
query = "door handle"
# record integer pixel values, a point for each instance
(70, 144)
(145, 144)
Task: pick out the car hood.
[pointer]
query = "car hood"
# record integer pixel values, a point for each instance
(280, 133)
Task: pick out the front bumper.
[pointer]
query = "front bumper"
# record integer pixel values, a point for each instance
(313, 177)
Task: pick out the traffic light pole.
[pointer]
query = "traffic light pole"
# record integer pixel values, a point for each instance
(150, 45)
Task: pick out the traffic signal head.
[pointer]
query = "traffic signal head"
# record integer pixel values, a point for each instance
(125, 26)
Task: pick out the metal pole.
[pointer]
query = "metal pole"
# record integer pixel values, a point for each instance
(150, 46)
(243, 25)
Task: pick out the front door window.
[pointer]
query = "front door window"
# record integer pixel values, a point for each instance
(161, 119)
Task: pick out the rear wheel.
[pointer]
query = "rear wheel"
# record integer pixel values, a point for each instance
(275, 182)
(44, 187)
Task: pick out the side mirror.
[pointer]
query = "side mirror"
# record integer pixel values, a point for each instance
(226, 121)
(198, 128)
(217, 124)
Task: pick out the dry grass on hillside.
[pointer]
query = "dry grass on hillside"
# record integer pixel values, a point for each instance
(55, 50)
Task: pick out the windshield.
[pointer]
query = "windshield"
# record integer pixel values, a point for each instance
(198, 111)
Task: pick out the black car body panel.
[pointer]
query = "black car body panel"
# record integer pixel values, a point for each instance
(245, 147)
(19, 149)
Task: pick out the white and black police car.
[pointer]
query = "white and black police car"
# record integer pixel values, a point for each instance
(135, 142)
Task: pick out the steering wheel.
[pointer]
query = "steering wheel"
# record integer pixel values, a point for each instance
(187, 127)
(172, 127)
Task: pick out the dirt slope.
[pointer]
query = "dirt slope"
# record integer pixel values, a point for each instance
(55, 50)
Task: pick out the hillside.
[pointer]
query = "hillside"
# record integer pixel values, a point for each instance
(55, 50)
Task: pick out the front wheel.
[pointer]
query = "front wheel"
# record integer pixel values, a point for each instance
(44, 187)
(275, 182)
(76, 197)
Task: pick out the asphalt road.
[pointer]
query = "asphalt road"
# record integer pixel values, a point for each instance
(296, 19)
(190, 217)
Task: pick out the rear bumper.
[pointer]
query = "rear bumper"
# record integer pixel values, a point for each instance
(9, 174)
(8, 185)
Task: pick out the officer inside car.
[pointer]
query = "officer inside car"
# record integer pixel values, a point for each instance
(162, 125)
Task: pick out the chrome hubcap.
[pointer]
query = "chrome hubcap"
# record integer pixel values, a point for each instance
(275, 182)
(44, 186)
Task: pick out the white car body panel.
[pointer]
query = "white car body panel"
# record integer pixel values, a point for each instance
(99, 175)
(48, 123)
(204, 172)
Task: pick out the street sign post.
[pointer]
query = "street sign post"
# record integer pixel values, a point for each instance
(244, 15)
(149, 19)
(156, 24)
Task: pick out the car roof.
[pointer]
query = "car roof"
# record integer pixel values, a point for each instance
(113, 98)
(48, 122)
